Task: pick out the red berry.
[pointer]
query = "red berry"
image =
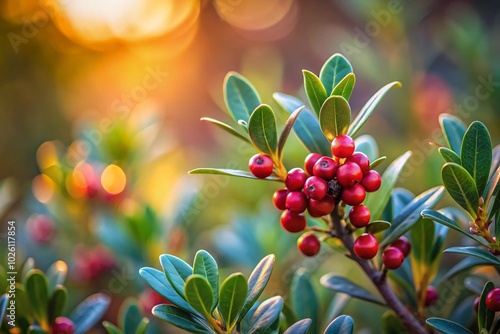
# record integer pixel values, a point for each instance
(325, 168)
(342, 146)
(295, 179)
(315, 187)
(371, 181)
(293, 222)
(392, 258)
(308, 244)
(321, 207)
(476, 304)
(361, 160)
(279, 198)
(359, 216)
(349, 174)
(296, 202)
(63, 325)
(366, 246)
(493, 300)
(403, 244)
(354, 195)
(40, 228)
(310, 161)
(431, 296)
(261, 165)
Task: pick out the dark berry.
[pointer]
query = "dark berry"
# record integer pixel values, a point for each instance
(361, 160)
(431, 296)
(293, 222)
(354, 195)
(392, 258)
(325, 168)
(315, 187)
(342, 146)
(403, 244)
(321, 207)
(63, 325)
(296, 202)
(261, 165)
(310, 161)
(493, 300)
(349, 174)
(279, 198)
(366, 246)
(308, 244)
(371, 181)
(359, 216)
(295, 179)
(476, 304)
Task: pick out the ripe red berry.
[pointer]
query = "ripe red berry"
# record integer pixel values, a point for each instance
(63, 325)
(366, 246)
(325, 168)
(349, 174)
(354, 195)
(310, 161)
(321, 207)
(308, 244)
(279, 198)
(261, 165)
(476, 304)
(361, 160)
(359, 216)
(403, 244)
(342, 146)
(431, 296)
(392, 258)
(295, 179)
(493, 300)
(293, 222)
(296, 202)
(315, 187)
(371, 181)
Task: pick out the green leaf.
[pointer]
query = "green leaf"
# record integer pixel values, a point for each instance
(240, 96)
(335, 116)
(343, 285)
(496, 206)
(89, 312)
(143, 326)
(199, 294)
(476, 252)
(265, 319)
(369, 107)
(376, 202)
(206, 266)
(315, 90)
(177, 272)
(497, 225)
(226, 128)
(447, 326)
(476, 154)
(233, 293)
(37, 289)
(230, 172)
(453, 130)
(110, 328)
(262, 130)
(492, 189)
(461, 187)
(460, 267)
(258, 281)
(57, 302)
(286, 131)
(23, 304)
(449, 155)
(28, 265)
(300, 327)
(4, 301)
(306, 126)
(484, 315)
(368, 145)
(375, 163)
(333, 71)
(391, 324)
(341, 325)
(130, 316)
(303, 294)
(56, 275)
(181, 319)
(377, 226)
(345, 86)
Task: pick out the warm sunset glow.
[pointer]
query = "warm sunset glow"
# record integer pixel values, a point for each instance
(113, 179)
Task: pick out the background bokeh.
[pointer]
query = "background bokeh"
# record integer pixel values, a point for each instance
(107, 95)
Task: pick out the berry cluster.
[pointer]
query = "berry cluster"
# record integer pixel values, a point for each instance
(366, 247)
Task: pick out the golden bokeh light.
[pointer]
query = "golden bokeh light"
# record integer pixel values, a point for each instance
(113, 179)
(43, 188)
(46, 155)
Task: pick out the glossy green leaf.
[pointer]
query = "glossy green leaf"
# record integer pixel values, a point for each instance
(57, 302)
(110, 328)
(447, 326)
(206, 266)
(262, 130)
(286, 131)
(265, 319)
(453, 130)
(391, 324)
(345, 86)
(476, 155)
(476, 252)
(461, 187)
(367, 145)
(177, 271)
(130, 316)
(181, 319)
(449, 155)
(302, 293)
(23, 304)
(300, 327)
(230, 172)
(56, 275)
(89, 312)
(258, 281)
(315, 90)
(227, 128)
(240, 96)
(460, 267)
(37, 289)
(333, 71)
(233, 293)
(343, 285)
(306, 126)
(484, 315)
(341, 325)
(377, 226)
(199, 294)
(369, 107)
(4, 302)
(335, 116)
(375, 163)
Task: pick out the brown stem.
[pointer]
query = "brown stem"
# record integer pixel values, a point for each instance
(377, 278)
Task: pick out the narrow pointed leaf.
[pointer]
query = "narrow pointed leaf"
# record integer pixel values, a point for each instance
(262, 130)
(345, 86)
(286, 131)
(240, 96)
(315, 90)
(303, 294)
(89, 312)
(143, 326)
(343, 285)
(335, 116)
(233, 293)
(476, 252)
(333, 71)
(110, 328)
(377, 226)
(449, 155)
(37, 289)
(447, 326)
(461, 187)
(265, 319)
(206, 266)
(129, 317)
(177, 272)
(199, 294)
(230, 172)
(180, 318)
(258, 281)
(375, 163)
(462, 266)
(342, 324)
(484, 315)
(57, 302)
(453, 130)
(226, 128)
(300, 327)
